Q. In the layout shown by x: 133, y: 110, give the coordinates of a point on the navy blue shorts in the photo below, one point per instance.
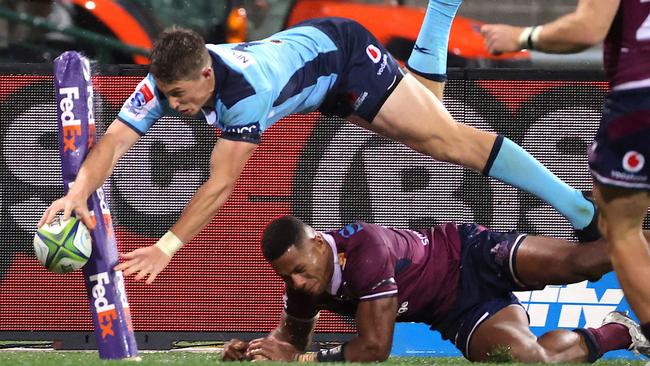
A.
x: 487, y: 280
x: 619, y: 155
x: 369, y: 74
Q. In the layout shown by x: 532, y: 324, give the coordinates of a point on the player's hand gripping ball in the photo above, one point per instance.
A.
x: 63, y: 246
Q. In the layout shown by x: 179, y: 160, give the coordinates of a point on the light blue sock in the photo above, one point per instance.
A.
x: 429, y: 56
x: 511, y: 164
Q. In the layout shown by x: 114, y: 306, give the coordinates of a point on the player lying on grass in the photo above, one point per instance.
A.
x: 458, y: 278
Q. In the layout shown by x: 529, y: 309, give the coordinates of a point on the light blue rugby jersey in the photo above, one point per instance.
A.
x: 257, y: 83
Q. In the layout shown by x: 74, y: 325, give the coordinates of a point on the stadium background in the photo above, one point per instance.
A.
x: 323, y: 170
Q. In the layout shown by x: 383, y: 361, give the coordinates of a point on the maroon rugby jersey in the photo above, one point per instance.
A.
x: 627, y: 45
x: 420, y: 267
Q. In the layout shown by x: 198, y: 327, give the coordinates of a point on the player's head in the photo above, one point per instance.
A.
x: 299, y: 254
x: 182, y: 67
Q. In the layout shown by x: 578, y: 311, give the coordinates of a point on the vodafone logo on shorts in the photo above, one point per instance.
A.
x: 633, y: 161
x: 374, y: 53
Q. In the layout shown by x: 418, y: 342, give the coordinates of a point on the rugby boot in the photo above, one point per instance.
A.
x: 640, y: 344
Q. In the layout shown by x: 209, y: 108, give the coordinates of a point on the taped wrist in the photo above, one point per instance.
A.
x: 529, y: 37
x: 524, y: 36
x: 305, y: 357
x: 336, y: 354
x: 169, y: 243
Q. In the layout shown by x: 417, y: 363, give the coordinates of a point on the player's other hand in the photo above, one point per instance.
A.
x: 500, y: 38
x: 148, y: 261
x: 71, y: 203
x: 235, y: 350
x: 272, y: 349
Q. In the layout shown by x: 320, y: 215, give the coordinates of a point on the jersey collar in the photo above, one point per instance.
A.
x: 220, y: 71
x: 337, y: 275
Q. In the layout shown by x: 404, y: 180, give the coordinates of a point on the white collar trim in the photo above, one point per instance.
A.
x: 337, y: 275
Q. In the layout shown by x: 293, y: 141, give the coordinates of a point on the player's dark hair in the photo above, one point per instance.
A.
x: 280, y: 234
x: 179, y: 54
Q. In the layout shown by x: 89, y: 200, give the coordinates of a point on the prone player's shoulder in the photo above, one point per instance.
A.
x: 362, y: 234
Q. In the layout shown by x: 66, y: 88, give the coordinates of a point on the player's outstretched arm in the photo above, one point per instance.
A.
x: 96, y: 168
x: 226, y: 163
x: 586, y: 26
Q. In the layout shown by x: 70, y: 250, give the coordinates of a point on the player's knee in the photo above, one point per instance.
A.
x: 444, y: 148
x: 528, y: 351
x: 446, y: 154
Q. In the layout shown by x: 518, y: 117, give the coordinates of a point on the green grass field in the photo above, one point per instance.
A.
x: 187, y: 358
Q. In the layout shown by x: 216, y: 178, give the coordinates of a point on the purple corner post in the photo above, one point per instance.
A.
x: 106, y: 293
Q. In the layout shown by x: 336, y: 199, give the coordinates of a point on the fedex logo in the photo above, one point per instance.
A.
x: 71, y: 125
x: 91, y: 116
x: 106, y: 312
x: 566, y: 306
x: 105, y: 210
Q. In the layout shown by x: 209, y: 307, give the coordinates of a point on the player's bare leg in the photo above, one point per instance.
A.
x: 436, y: 87
x: 414, y: 116
x: 621, y: 218
x: 545, y: 261
x: 508, y: 331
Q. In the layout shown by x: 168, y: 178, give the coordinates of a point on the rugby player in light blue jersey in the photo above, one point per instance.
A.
x: 332, y: 65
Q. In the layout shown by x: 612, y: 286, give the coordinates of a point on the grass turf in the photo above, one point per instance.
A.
x: 186, y: 358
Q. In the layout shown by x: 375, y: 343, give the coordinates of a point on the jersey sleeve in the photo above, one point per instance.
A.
x: 143, y: 108
x: 369, y: 270
x: 246, y: 120
x: 299, y: 305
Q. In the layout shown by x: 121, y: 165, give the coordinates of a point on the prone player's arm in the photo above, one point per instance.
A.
x: 574, y: 32
x: 96, y: 168
x: 375, y: 324
x: 296, y: 331
x: 287, y: 342
x: 226, y: 163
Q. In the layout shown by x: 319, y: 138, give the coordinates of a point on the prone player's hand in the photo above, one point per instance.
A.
x: 272, y: 348
x: 145, y: 261
x: 501, y: 38
x: 69, y: 204
x: 235, y: 350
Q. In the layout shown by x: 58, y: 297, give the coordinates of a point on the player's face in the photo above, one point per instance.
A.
x: 188, y: 96
x: 307, y: 268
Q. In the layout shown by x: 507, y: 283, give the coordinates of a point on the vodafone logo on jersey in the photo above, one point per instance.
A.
x: 633, y: 161
x: 374, y: 53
